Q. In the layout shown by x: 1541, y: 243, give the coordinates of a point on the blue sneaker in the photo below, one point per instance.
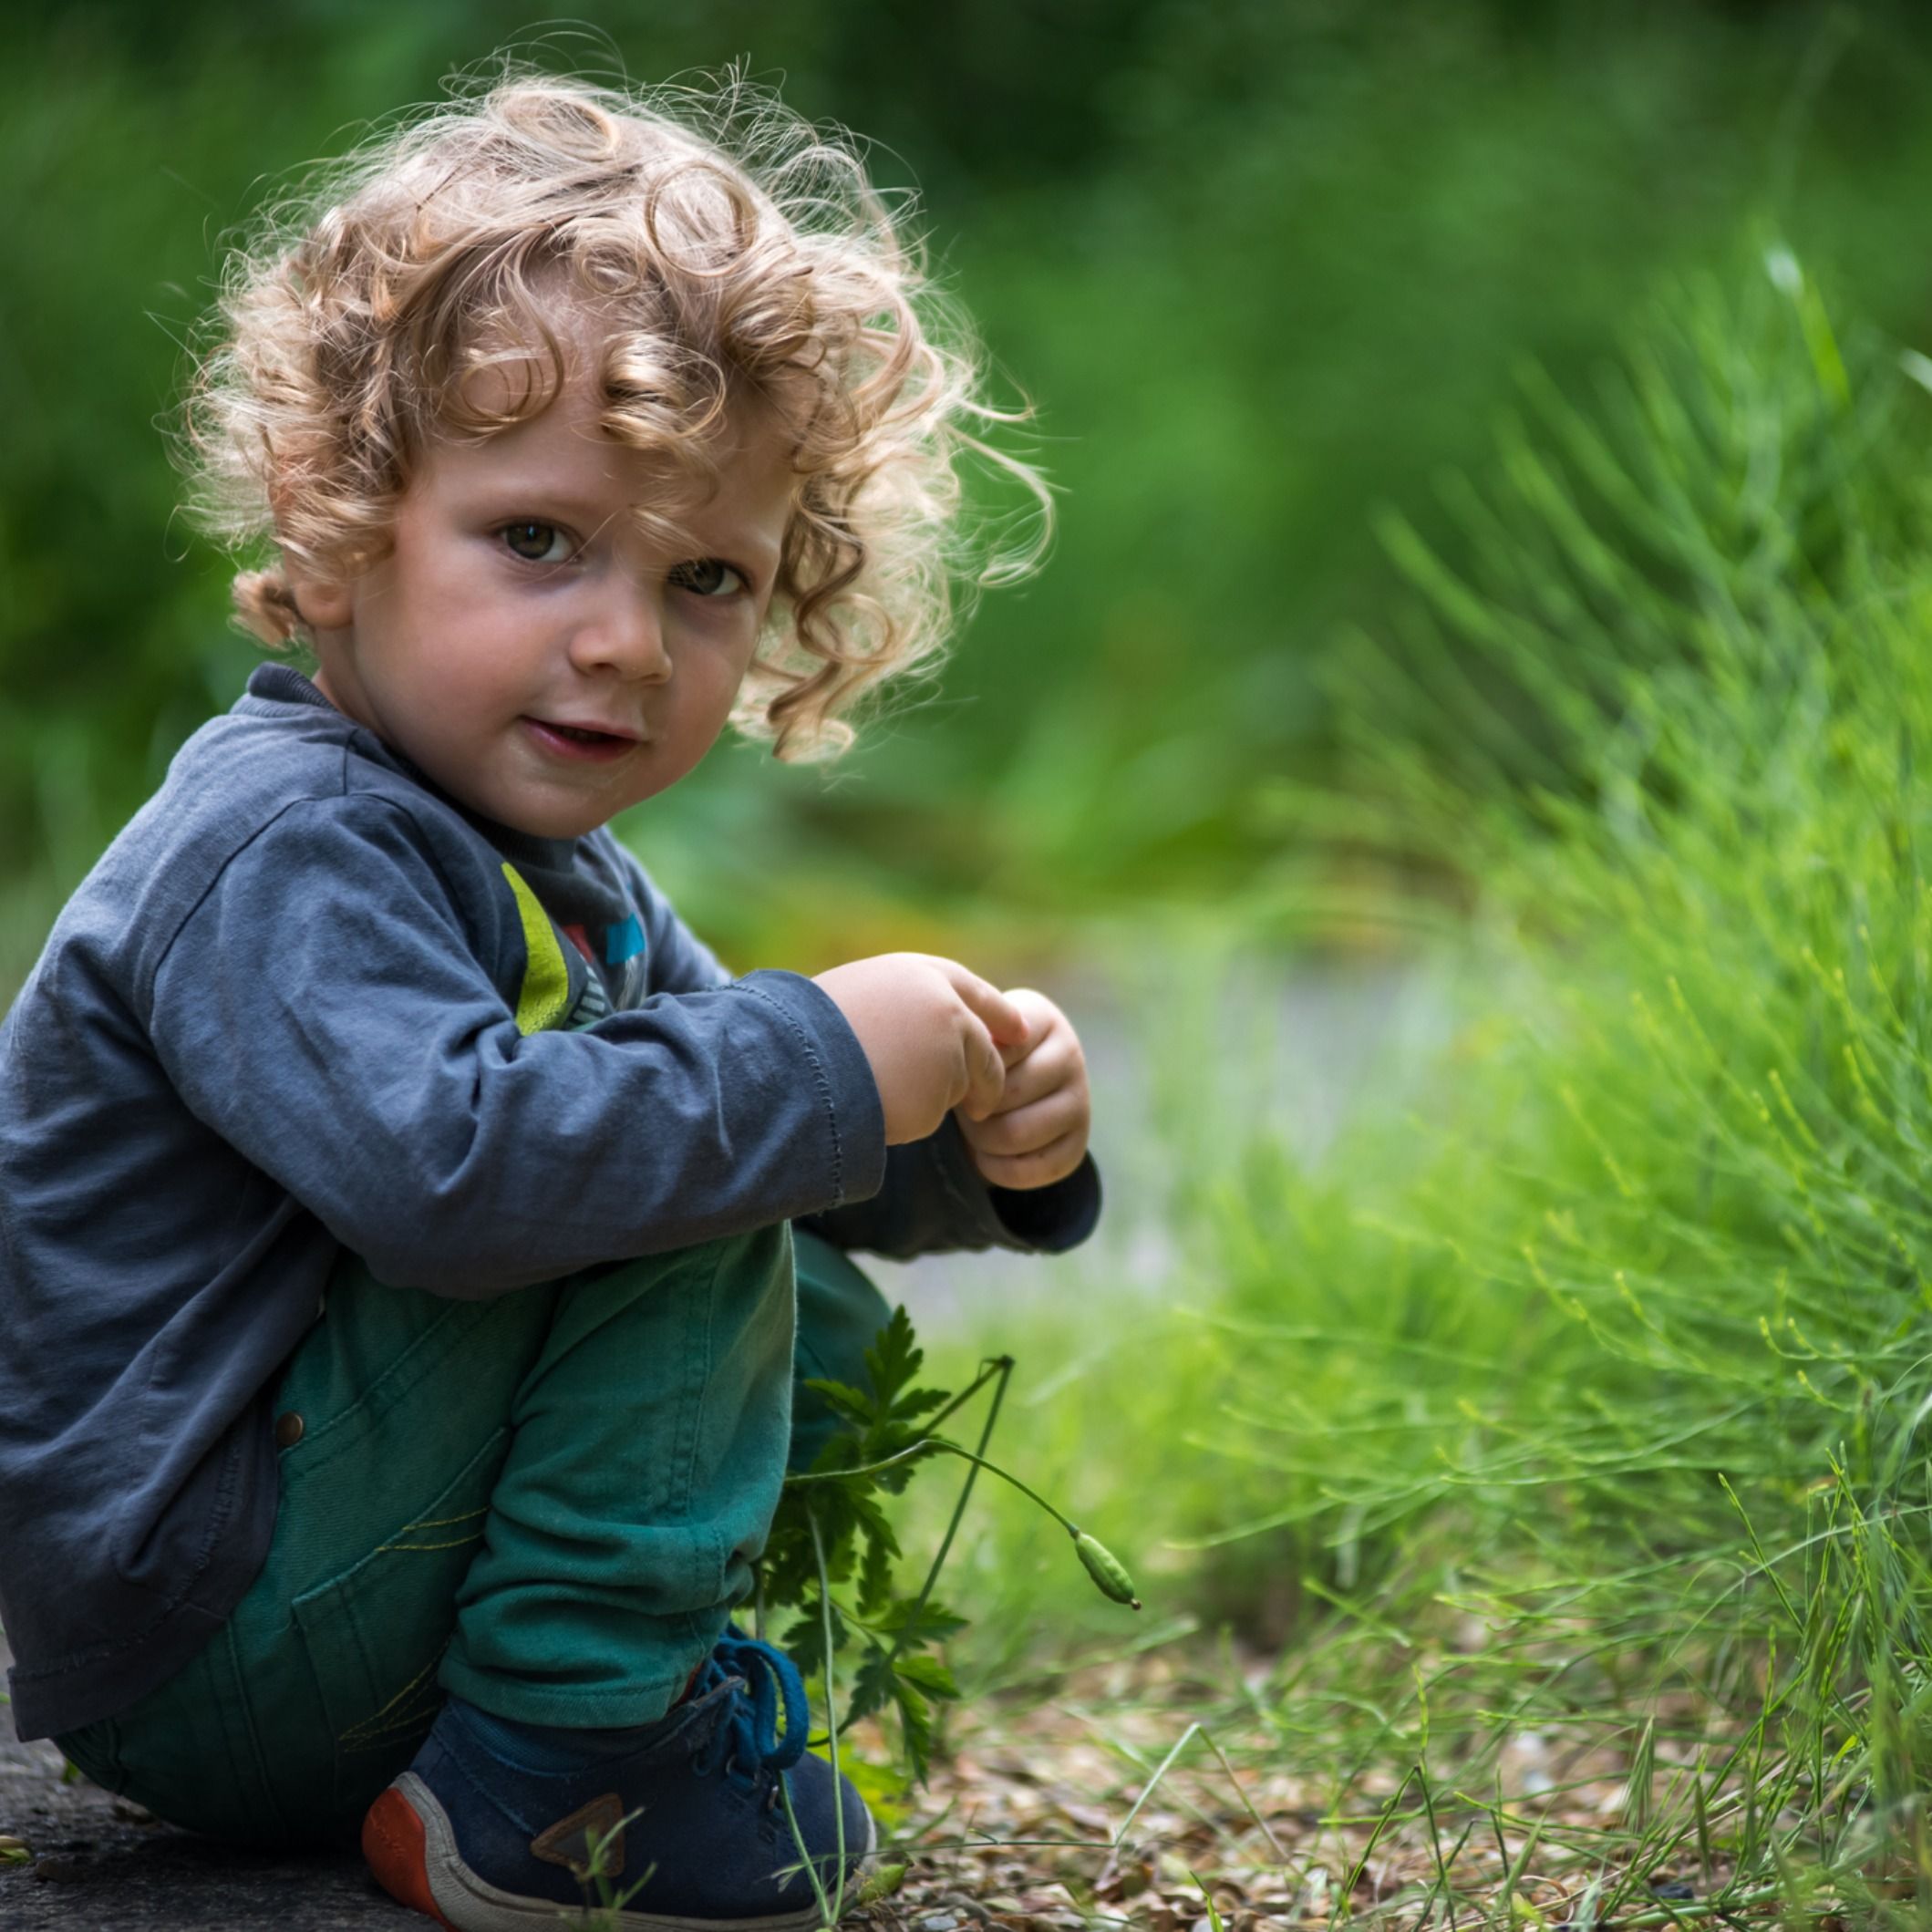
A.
x: 685, y: 1833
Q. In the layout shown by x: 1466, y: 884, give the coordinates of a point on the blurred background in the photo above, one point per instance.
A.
x: 1458, y: 766
x: 1258, y: 265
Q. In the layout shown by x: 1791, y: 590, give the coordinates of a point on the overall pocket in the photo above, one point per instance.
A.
x: 375, y: 1634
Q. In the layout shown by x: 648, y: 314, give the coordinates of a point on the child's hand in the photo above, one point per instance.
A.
x: 1035, y: 1132
x: 934, y: 1034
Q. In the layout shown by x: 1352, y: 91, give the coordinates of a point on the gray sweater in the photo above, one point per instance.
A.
x: 306, y: 1002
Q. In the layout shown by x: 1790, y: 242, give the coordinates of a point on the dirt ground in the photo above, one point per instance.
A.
x: 93, y: 1863
x: 96, y: 1865
x: 1021, y: 1827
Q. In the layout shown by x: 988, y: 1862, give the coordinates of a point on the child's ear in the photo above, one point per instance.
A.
x: 324, y: 605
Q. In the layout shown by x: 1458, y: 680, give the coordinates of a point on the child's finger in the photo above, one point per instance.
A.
x: 985, y: 1071
x: 1038, y: 1169
x: 1030, y: 1077
x: 1053, y: 1061
x: 1003, y: 1019
x: 1027, y: 1128
x: 1042, y: 1018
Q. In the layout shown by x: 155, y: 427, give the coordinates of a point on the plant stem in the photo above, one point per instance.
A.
x: 832, y: 1710
x: 940, y: 1444
x: 811, y: 1870
x: 999, y: 1365
x: 1002, y: 1367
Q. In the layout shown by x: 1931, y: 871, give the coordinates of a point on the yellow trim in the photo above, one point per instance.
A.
x: 546, y: 979
x: 440, y: 1522
x: 372, y: 1724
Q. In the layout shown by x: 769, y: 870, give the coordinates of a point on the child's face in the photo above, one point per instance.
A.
x: 535, y: 655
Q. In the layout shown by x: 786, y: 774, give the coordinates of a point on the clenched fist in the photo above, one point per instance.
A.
x: 1035, y: 1132
x: 936, y: 1037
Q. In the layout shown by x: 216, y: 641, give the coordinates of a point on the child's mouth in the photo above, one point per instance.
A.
x: 578, y: 742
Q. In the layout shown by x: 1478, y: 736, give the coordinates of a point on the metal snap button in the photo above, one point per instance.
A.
x: 288, y: 1430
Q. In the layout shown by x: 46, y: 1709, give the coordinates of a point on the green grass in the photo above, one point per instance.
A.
x: 1578, y: 1417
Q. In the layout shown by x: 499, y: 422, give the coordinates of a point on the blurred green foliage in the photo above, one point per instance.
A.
x: 1583, y: 1402
x: 1260, y: 266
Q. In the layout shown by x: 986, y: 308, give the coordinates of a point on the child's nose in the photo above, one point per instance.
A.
x: 625, y: 633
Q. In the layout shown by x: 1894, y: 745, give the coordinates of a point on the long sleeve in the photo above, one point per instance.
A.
x: 933, y: 1200
x: 368, y: 1062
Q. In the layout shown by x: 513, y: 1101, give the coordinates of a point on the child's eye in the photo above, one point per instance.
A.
x: 707, y: 577
x: 537, y: 542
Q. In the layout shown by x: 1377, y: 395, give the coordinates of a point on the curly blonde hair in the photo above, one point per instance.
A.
x: 720, y: 246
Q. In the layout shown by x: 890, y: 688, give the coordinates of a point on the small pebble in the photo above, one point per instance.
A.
x: 1675, y: 1888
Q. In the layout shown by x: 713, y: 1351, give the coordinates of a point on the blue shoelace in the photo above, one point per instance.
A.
x: 749, y: 1738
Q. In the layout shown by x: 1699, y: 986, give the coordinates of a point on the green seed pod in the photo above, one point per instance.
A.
x: 882, y: 1883
x: 1106, y: 1569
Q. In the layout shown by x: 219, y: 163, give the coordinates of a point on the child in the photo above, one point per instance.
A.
x: 397, y: 1201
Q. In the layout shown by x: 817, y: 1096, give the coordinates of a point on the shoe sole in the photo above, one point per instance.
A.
x: 410, y: 1845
